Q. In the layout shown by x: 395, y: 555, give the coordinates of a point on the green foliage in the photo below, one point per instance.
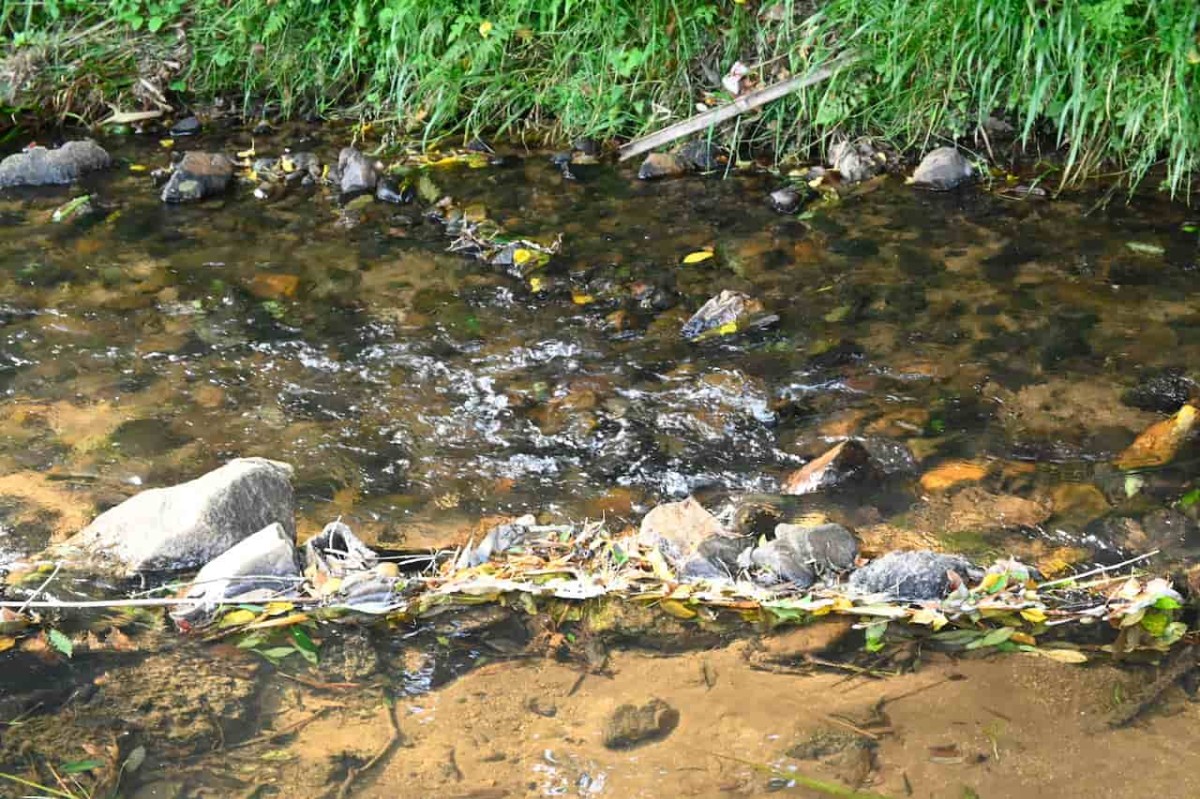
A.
x: 1114, y: 82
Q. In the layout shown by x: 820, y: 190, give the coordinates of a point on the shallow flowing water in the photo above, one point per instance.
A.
x: 417, y: 390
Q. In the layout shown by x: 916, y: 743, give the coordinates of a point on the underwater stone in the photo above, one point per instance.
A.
x: 198, y: 175
x: 943, y: 169
x: 632, y: 725
x: 37, y: 166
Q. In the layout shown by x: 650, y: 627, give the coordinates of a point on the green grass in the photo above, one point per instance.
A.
x: 1116, y: 83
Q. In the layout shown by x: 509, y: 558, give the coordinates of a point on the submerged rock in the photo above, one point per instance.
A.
x: 356, y: 172
x: 728, y: 312
x: 918, y: 575
x: 943, y: 169
x: 197, y: 176
x: 632, y: 725
x: 189, y: 524
x: 38, y: 166
x: 855, y: 161
x: 789, y: 199
x: 662, y: 165
x: 1163, y: 392
x: 266, y: 561
x: 1160, y: 443
x: 845, y: 461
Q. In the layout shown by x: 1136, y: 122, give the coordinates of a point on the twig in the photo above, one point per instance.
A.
x: 39, y: 590
x: 1179, y: 664
x: 288, y: 730
x: 1099, y: 570
x: 384, y: 751
x: 138, y: 603
x: 747, y: 102
x: 874, y: 736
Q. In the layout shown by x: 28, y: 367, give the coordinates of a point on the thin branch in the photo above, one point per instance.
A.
x: 747, y: 102
x: 1099, y: 570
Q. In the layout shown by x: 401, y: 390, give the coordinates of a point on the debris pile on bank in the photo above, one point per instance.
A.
x: 681, y: 561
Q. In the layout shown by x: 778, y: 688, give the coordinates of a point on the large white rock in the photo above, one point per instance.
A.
x: 261, y: 565
x: 187, y: 525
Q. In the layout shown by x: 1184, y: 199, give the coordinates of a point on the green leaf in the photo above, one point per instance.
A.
x: 1167, y: 603
x: 80, y: 766
x: 1190, y: 498
x: 303, y: 641
x: 61, y: 642
x: 994, y: 638
x: 957, y: 637
x: 875, y: 634
x: 1155, y: 622
x: 154, y: 24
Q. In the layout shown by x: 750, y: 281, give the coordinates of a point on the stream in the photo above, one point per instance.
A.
x: 996, y: 352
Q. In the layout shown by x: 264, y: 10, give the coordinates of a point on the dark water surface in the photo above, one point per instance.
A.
x: 416, y: 390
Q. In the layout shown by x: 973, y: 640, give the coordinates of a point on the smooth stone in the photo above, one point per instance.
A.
x: 38, y: 166
x: 267, y: 560
x: 632, y: 725
x: 662, y: 165
x: 188, y: 126
x: 187, y: 525
x: 679, y: 528
x: 197, y: 176
x: 854, y: 161
x: 943, y: 169
x: 357, y: 173
x: 916, y: 575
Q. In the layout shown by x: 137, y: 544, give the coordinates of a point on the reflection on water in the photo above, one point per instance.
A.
x: 415, y: 390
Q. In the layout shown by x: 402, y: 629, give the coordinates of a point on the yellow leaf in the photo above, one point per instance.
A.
x: 1064, y: 655
x: 248, y: 153
x: 168, y: 143
x: 697, y: 256
x: 579, y: 298
x: 282, y: 621
x: 992, y: 582
x: 138, y: 167
x: 536, y: 284
x: 842, y: 603
x: 287, y: 164
x: 1033, y: 615
x: 275, y: 608
x: 485, y: 29
x: 677, y: 609
x: 236, y: 617
x: 727, y: 329
x: 7, y: 642
x: 521, y: 256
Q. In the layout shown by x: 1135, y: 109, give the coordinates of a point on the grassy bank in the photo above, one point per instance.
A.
x: 1115, y: 82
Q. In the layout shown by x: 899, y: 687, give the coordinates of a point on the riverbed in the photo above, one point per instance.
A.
x: 996, y: 350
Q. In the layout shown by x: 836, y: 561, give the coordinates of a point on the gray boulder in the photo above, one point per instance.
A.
x: 801, y: 554
x: 187, y: 525
x: 915, y: 575
x: 198, y: 175
x: 855, y: 161
x: 260, y: 566
x: 37, y: 166
x: 356, y: 172
x: 943, y: 169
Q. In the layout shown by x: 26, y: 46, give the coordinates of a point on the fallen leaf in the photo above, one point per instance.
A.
x: 1160, y: 442
x: 698, y: 256
x: 485, y: 29
x: 1073, y: 656
x: 7, y: 642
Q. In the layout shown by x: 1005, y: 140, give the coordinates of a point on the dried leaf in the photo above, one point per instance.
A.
x: 1033, y: 615
x: 7, y: 642
x: 1063, y: 655
x: 236, y: 617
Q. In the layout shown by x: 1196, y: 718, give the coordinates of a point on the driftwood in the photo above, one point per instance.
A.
x: 747, y: 102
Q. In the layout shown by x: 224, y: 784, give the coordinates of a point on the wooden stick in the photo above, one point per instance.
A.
x: 747, y: 102
x: 1099, y: 570
x: 392, y: 742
